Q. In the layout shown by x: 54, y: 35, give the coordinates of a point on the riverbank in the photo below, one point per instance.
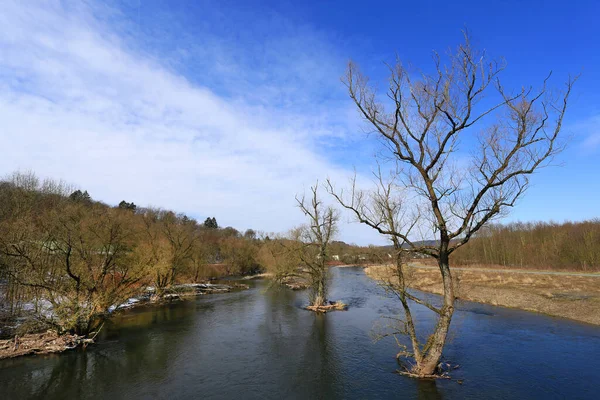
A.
x: 293, y: 282
x: 29, y: 333
x: 40, y: 343
x: 568, y: 295
x: 265, y: 342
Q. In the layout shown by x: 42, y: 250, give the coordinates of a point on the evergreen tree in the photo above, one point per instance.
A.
x: 211, y: 223
x: 127, y: 206
x: 80, y: 196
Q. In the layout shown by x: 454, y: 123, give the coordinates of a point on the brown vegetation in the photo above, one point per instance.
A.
x: 41, y: 343
x: 539, y: 245
x: 568, y: 296
x: 67, y: 261
x: 332, y: 306
x: 73, y: 259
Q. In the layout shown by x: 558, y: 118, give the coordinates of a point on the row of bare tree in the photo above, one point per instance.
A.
x: 61, y: 250
x: 82, y: 256
x: 545, y: 245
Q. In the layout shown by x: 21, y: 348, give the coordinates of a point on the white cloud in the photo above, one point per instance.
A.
x: 591, y: 131
x: 78, y: 102
x: 592, y: 142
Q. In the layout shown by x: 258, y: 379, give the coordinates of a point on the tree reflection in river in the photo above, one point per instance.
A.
x: 258, y: 344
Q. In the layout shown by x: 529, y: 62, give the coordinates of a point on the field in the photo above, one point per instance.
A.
x: 562, y: 294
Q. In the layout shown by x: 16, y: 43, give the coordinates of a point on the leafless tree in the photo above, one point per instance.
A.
x: 81, y: 259
x: 315, y: 238
x: 179, y: 233
x: 462, y: 150
x: 158, y: 248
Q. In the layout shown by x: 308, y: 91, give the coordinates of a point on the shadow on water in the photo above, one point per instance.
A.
x: 262, y: 344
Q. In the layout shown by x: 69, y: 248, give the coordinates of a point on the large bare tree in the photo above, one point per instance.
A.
x: 462, y: 149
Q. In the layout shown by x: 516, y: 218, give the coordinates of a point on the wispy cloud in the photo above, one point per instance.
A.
x: 82, y: 98
x: 590, y: 130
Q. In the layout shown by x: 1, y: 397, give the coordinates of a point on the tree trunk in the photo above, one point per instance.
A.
x: 320, y: 292
x: 410, y: 325
x: 435, y: 345
x: 196, y: 274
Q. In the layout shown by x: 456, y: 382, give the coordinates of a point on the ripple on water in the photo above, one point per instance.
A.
x: 261, y: 344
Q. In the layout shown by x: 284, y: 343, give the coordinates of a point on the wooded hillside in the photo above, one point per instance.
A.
x: 544, y: 245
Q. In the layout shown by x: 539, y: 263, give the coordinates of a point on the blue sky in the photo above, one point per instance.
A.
x: 229, y: 109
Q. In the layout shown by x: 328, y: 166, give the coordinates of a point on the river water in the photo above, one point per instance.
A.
x: 260, y: 344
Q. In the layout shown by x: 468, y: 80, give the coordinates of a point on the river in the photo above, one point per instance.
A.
x: 260, y: 344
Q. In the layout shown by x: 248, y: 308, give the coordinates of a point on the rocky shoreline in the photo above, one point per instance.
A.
x: 196, y: 289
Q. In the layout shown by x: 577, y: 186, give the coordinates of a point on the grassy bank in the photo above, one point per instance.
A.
x: 570, y: 296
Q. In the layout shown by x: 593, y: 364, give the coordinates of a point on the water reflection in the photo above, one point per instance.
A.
x: 257, y: 344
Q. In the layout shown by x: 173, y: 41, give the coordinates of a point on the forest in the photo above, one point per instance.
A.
x: 539, y: 245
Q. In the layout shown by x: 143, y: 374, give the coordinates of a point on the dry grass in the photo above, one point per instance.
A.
x: 456, y: 264
x: 568, y: 296
x: 332, y: 306
x: 40, y: 343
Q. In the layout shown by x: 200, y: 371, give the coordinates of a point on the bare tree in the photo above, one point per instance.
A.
x: 315, y: 238
x: 240, y: 255
x: 279, y: 256
x: 81, y: 259
x: 437, y: 187
x: 198, y: 261
x: 178, y: 230
x: 158, y: 248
